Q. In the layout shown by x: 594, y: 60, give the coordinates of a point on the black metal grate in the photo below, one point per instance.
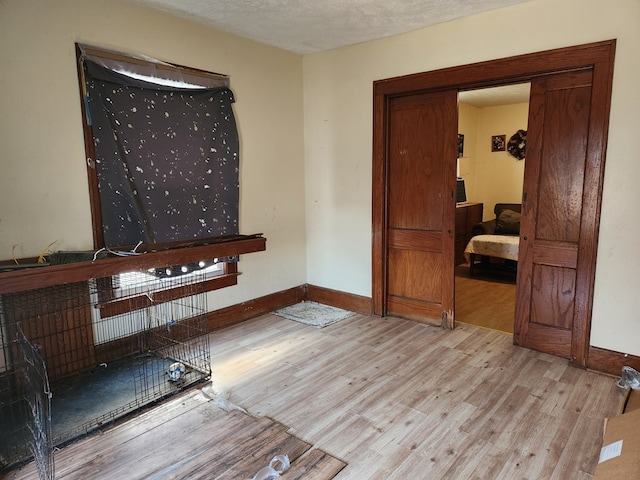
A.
x: 110, y: 346
x: 35, y: 394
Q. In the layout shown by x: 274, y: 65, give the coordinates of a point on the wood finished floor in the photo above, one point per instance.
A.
x: 391, y: 398
x: 396, y: 399
x: 485, y: 300
x: 187, y: 436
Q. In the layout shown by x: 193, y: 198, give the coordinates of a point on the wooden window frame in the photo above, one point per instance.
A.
x: 230, y: 272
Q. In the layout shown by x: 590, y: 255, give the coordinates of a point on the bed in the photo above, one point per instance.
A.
x: 500, y: 246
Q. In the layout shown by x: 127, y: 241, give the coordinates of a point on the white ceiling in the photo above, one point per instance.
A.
x: 491, y: 97
x: 308, y: 26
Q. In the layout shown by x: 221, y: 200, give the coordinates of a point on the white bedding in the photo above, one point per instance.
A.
x: 501, y: 246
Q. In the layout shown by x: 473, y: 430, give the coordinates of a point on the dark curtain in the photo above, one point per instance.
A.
x: 167, y: 159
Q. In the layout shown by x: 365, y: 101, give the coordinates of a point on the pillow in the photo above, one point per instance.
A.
x: 508, y: 223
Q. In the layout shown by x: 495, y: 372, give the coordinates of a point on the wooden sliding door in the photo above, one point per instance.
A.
x: 557, y: 221
x: 421, y: 179
x: 414, y: 142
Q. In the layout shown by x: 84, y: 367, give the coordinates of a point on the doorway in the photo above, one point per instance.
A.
x: 556, y: 268
x: 487, y: 119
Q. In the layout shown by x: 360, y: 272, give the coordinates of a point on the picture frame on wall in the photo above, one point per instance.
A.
x: 498, y: 143
x: 460, y: 145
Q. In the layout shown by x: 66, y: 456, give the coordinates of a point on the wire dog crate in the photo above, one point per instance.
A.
x: 108, y: 345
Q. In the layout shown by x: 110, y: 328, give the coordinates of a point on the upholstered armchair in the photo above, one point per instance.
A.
x: 507, y: 221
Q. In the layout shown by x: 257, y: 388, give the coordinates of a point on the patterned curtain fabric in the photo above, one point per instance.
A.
x: 167, y: 159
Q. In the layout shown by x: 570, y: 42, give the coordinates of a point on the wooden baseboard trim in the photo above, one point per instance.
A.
x: 254, y: 308
x: 611, y: 362
x: 336, y: 298
x: 260, y: 306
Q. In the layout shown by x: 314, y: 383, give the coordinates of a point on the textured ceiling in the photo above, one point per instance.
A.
x: 308, y: 26
x: 491, y: 97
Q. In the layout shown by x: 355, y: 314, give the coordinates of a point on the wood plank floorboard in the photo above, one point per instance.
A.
x: 387, y: 397
x: 316, y: 465
x: 486, y: 300
x: 185, y: 438
x: 398, y: 399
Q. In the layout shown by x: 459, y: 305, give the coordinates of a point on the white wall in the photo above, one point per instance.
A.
x: 490, y: 177
x: 466, y: 164
x: 499, y: 176
x: 338, y: 139
x: 43, y: 185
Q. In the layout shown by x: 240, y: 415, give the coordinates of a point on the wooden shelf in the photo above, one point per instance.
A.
x: 40, y: 277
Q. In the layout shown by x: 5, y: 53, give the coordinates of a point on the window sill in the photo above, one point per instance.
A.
x: 40, y: 277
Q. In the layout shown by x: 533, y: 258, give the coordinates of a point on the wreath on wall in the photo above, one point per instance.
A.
x: 517, y: 144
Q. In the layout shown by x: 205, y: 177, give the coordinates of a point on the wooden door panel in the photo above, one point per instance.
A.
x: 421, y: 240
x: 552, y: 296
x: 421, y: 206
x: 409, y: 278
x: 558, y: 254
x: 563, y: 157
x: 550, y: 228
x: 556, y: 341
x: 416, y: 163
x: 425, y: 312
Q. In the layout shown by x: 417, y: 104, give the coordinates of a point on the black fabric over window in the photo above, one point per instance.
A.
x: 167, y: 159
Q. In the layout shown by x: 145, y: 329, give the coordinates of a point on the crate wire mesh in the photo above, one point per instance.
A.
x: 110, y: 346
x: 35, y: 404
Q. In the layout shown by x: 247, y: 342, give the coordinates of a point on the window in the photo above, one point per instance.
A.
x: 130, y: 283
x: 163, y: 165
x: 162, y: 145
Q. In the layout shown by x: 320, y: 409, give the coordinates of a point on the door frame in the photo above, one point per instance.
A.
x: 599, y: 57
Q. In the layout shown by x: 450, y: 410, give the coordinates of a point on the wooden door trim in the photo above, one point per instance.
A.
x: 599, y: 57
x: 520, y: 68
x: 379, y: 203
x: 602, y: 83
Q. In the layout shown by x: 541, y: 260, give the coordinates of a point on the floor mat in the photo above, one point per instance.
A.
x: 314, y: 314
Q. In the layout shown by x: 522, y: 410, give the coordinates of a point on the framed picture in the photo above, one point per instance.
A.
x: 498, y: 143
x: 460, y: 145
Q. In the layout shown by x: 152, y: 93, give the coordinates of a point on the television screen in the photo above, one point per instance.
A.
x: 461, y: 193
